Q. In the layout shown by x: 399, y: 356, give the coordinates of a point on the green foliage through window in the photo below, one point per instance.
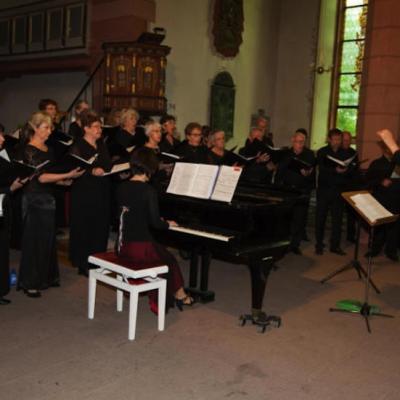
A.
x: 351, y: 55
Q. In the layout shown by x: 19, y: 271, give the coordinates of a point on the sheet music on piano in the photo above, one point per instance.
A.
x: 204, y: 181
x: 226, y: 183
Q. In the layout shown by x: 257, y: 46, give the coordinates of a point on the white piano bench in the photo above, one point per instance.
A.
x: 118, y: 273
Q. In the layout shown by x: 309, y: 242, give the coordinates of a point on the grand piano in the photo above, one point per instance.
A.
x: 253, y: 229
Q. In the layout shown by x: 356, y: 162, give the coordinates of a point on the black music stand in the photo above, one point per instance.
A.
x: 354, y: 263
x: 364, y: 308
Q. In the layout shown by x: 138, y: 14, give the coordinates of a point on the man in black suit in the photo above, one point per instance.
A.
x: 297, y: 171
x: 332, y: 180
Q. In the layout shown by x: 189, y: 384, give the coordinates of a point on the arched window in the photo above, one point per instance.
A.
x: 223, y: 103
x: 348, y: 64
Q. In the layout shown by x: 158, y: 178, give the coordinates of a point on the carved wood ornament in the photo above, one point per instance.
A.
x: 228, y: 26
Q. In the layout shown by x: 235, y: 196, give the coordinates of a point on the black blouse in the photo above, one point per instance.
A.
x: 168, y: 147
x: 88, y: 184
x: 139, y: 203
x: 33, y: 156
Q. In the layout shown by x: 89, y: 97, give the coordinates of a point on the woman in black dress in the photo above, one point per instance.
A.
x: 168, y: 141
x: 139, y: 214
x: 38, y: 267
x: 6, y: 189
x: 127, y: 137
x: 75, y: 129
x: 90, y: 196
x: 216, y: 141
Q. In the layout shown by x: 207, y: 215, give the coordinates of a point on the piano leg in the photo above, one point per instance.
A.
x: 259, y: 272
x: 194, y: 266
x: 201, y: 294
x: 205, y: 267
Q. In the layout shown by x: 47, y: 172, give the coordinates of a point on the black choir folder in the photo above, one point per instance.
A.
x: 13, y: 169
x: 342, y: 163
x: 297, y: 164
x: 204, y: 181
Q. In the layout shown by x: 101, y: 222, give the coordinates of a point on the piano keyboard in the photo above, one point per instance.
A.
x: 206, y: 234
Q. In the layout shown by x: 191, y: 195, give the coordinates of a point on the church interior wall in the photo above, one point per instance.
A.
x: 271, y: 71
x: 193, y: 63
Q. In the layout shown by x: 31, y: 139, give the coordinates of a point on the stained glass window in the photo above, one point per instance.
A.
x: 352, y: 24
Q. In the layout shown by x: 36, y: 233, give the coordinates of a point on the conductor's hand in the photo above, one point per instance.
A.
x: 75, y: 173
x: 385, y: 134
x: 172, y: 223
x: 17, y: 184
x: 98, y: 172
x: 386, y: 182
x: 341, y: 170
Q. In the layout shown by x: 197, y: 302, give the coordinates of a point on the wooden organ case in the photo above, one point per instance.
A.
x: 134, y: 76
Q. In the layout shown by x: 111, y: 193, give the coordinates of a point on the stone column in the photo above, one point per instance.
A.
x: 380, y: 87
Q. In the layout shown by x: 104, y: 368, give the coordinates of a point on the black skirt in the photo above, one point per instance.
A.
x: 4, y: 254
x: 39, y: 266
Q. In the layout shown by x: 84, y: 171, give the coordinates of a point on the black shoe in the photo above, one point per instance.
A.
x: 295, y: 250
x: 186, y: 301
x: 4, y: 302
x: 305, y: 238
x: 337, y: 250
x: 319, y: 251
x: 82, y: 272
x: 392, y: 256
x: 351, y: 240
x: 32, y: 293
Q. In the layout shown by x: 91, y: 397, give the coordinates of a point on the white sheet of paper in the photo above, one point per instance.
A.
x: 370, y: 207
x: 4, y: 155
x: 182, y: 178
x: 118, y: 168
x: 226, y: 183
x: 203, y: 183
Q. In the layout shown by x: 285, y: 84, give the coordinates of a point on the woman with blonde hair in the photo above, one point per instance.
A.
x: 38, y: 266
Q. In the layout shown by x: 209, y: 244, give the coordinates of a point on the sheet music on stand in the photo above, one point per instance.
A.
x: 373, y: 212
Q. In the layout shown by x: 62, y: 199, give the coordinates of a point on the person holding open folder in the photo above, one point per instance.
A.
x: 38, y: 266
x: 192, y: 150
x: 383, y: 177
x: 332, y: 180
x: 6, y: 190
x: 297, y: 170
x: 90, y: 196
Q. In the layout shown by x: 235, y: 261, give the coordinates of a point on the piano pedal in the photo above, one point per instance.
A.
x: 262, y: 322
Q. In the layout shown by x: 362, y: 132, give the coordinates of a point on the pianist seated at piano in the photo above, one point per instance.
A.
x: 297, y: 171
x: 138, y: 203
x: 262, y: 169
x: 192, y: 150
